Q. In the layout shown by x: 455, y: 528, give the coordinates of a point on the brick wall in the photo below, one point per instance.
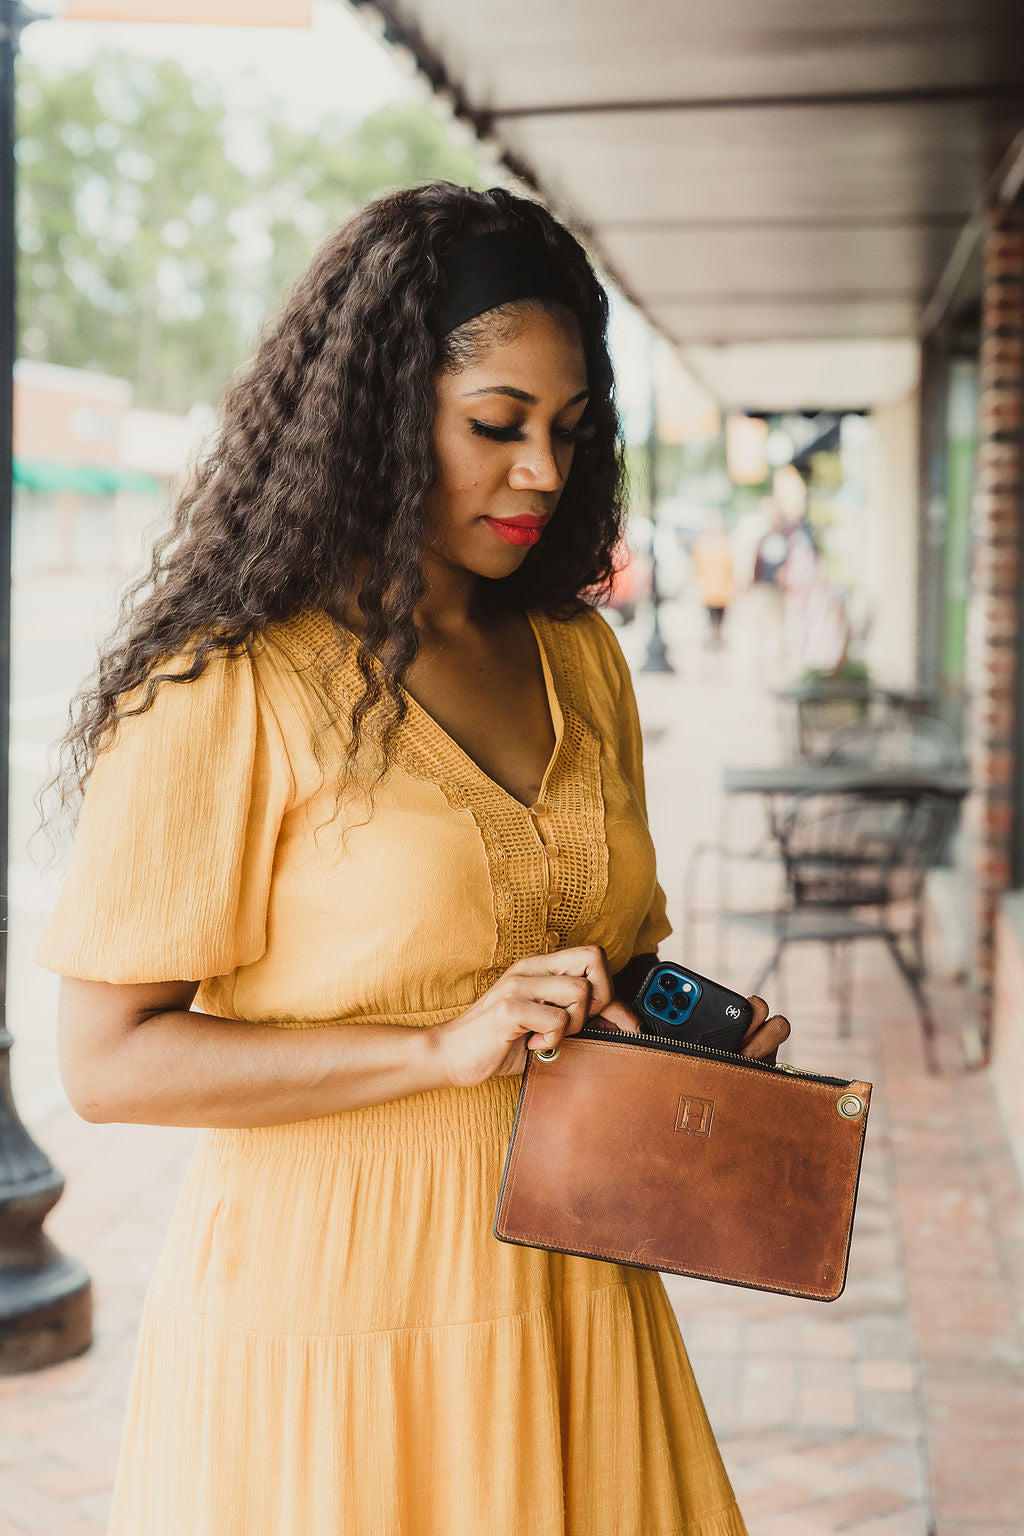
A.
x: 994, y: 613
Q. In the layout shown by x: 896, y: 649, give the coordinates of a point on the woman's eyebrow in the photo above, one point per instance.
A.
x: 519, y: 394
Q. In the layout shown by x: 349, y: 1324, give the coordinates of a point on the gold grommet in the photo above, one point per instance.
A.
x: 850, y: 1106
x: 551, y: 1055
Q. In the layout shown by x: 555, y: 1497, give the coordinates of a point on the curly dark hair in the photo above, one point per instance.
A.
x: 322, y: 464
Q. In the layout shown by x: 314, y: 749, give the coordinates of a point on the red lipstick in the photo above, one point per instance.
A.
x: 518, y: 530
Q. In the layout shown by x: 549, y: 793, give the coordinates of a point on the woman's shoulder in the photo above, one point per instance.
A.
x: 309, y: 642
x: 585, y: 622
x: 586, y: 633
x: 278, y: 653
x: 206, y: 686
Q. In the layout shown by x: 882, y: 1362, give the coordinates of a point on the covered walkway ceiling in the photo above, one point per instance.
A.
x: 751, y: 171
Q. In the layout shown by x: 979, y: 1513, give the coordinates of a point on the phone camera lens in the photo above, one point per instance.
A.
x: 667, y: 983
x: 658, y: 1001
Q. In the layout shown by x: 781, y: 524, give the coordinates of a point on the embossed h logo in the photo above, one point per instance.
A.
x: 694, y: 1116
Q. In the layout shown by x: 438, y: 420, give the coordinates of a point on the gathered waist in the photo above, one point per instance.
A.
x: 442, y: 1115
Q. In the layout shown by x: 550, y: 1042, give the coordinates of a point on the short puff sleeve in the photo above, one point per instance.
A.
x: 170, y: 869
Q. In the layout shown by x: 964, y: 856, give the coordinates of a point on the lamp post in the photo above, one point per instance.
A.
x: 656, y: 659
x: 45, y: 1298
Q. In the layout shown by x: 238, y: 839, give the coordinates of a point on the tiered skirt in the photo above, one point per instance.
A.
x: 335, y: 1344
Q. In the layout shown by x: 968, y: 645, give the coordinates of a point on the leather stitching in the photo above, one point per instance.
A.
x: 622, y: 1255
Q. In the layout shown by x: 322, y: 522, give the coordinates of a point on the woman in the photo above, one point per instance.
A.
x: 364, y: 782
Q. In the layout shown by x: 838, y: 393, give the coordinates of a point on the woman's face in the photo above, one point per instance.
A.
x: 504, y: 435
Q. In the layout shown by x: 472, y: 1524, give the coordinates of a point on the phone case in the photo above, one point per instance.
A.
x: 683, y: 1005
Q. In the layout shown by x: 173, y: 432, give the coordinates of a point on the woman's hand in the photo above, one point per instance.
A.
x: 765, y: 1035
x: 536, y: 1002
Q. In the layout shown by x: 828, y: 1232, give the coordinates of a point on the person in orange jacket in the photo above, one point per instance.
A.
x: 715, y: 574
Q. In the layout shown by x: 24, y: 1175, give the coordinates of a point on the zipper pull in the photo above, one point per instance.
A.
x: 783, y: 1066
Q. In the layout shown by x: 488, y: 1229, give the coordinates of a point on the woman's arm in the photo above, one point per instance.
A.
x: 136, y: 1054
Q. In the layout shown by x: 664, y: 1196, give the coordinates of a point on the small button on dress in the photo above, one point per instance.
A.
x: 333, y: 1342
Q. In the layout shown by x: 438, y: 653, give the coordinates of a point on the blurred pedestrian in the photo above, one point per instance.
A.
x: 817, y: 622
x: 772, y: 547
x: 715, y: 575
x: 364, y: 782
x: 767, y: 596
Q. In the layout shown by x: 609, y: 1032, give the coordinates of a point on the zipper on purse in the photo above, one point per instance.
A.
x: 691, y: 1047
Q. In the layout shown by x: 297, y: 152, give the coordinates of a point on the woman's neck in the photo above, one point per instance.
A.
x: 452, y: 603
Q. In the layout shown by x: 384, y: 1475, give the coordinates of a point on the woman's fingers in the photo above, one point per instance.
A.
x: 621, y: 1015
x: 763, y: 1043
x: 588, y: 960
x: 570, y: 992
x: 547, y: 1024
x: 761, y: 1011
x: 764, y: 1035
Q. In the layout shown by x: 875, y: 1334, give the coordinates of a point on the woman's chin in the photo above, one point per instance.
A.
x: 493, y: 564
x: 481, y: 553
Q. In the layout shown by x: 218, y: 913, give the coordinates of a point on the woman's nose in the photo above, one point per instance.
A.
x: 536, y: 468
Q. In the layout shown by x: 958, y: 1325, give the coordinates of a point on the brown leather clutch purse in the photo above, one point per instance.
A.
x: 646, y: 1151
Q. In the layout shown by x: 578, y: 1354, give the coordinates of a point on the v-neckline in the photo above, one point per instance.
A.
x: 555, y: 711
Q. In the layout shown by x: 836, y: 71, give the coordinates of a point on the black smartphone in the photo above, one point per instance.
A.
x: 675, y: 1001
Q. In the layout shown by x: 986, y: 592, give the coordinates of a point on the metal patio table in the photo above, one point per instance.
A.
x: 846, y: 779
x: 784, y: 780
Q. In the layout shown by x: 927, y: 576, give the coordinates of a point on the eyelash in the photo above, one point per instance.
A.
x: 570, y: 435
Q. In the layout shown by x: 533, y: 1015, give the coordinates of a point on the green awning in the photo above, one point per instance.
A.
x: 88, y: 479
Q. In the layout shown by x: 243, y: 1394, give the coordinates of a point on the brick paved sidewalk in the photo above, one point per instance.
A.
x: 896, y: 1411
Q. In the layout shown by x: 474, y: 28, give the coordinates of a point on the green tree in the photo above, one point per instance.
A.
x: 312, y: 184
x: 124, y: 198
x: 147, y: 251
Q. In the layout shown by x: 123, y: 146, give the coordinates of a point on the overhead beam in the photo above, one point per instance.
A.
x: 724, y: 338
x: 672, y: 223
x: 788, y: 298
x: 944, y: 95
x: 431, y: 65
x: 754, y: 339
x: 433, y: 69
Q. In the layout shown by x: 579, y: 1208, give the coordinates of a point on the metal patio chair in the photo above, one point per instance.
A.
x: 821, y: 707
x: 895, y: 740
x: 853, y: 866
x: 824, y: 706
x: 723, y: 854
x: 902, y: 740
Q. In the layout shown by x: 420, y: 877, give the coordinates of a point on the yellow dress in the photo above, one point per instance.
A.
x: 333, y: 1342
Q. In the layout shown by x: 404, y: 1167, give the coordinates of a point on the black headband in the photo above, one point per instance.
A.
x: 495, y: 269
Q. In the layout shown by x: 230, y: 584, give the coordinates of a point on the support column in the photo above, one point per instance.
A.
x: 45, y: 1298
x: 931, y: 526
x: 994, y: 608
